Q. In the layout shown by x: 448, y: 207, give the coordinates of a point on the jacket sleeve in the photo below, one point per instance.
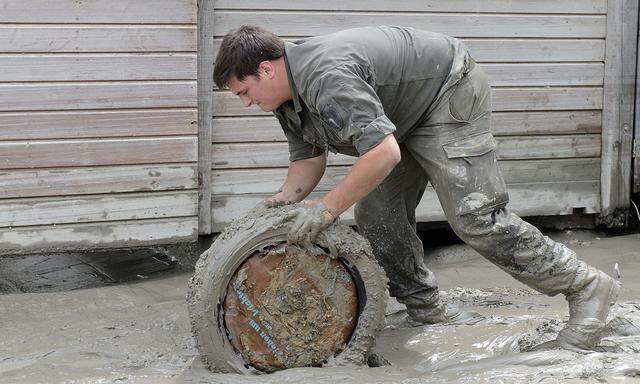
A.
x: 350, y: 108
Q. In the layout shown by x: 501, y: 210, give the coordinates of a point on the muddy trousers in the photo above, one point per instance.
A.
x: 455, y: 151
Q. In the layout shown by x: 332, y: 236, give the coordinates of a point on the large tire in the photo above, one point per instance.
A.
x: 258, y: 229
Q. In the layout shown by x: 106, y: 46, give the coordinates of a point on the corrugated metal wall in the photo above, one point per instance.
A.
x: 546, y: 64
x: 98, y: 123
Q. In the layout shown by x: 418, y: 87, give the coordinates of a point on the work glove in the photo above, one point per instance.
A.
x: 309, y: 219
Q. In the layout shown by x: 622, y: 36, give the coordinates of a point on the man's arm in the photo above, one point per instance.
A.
x: 302, y: 177
x: 367, y: 173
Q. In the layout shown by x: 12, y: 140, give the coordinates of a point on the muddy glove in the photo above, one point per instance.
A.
x: 308, y: 221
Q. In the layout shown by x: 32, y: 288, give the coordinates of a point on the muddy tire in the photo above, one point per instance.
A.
x: 258, y: 230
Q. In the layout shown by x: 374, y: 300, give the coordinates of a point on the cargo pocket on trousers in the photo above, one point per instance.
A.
x: 472, y: 175
x: 462, y: 101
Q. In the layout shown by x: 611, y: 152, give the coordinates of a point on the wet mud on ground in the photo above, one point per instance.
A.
x: 139, y: 332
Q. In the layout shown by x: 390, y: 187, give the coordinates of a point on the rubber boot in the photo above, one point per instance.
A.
x: 588, y: 310
x: 440, y: 313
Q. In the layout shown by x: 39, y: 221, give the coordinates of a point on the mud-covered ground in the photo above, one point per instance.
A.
x: 139, y: 332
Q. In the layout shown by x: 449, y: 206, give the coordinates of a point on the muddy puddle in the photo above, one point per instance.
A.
x: 139, y: 332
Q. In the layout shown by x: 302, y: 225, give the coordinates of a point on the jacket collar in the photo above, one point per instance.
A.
x: 294, y: 90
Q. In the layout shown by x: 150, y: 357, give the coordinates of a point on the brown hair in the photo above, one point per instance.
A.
x: 242, y: 51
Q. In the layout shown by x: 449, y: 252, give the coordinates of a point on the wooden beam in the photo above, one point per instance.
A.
x: 466, y: 6
x: 536, y: 199
x: 618, y: 109
x: 636, y: 136
x: 289, y: 23
x: 532, y: 50
x: 94, y: 208
x: 504, y: 99
x: 544, y: 74
x: 98, y: 124
x: 268, y: 180
x: 267, y: 128
x: 15, y: 97
x: 93, y: 180
x: 266, y: 155
x: 205, y: 113
x: 97, y: 67
x: 115, y: 11
x: 33, y: 38
x: 96, y: 152
x: 110, y: 234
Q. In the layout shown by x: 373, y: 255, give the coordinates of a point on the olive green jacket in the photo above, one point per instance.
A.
x: 354, y: 87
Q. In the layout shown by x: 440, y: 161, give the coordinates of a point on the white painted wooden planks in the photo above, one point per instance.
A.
x: 34, y: 38
x: 96, y: 95
x: 82, y: 236
x: 463, y: 6
x: 115, y: 11
x: 95, y: 180
x: 267, y: 128
x: 534, y: 50
x: 32, y: 125
x: 524, y: 50
x: 269, y: 180
x: 293, y: 23
x: 92, y: 208
x: 98, y: 145
x: 536, y: 199
x: 77, y: 153
x: 92, y: 67
x: 545, y: 62
x: 544, y: 74
x: 265, y: 155
x: 504, y: 99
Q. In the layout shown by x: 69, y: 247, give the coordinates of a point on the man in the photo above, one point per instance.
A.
x: 414, y: 107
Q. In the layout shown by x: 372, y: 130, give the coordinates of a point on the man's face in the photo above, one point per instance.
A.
x: 257, y: 90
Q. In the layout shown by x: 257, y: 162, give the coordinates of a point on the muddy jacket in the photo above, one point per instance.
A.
x: 352, y: 88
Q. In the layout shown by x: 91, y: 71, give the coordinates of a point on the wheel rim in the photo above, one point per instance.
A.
x: 287, y: 307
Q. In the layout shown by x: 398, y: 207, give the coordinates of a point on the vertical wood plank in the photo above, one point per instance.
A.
x: 205, y: 113
x: 619, y: 90
x: 636, y: 136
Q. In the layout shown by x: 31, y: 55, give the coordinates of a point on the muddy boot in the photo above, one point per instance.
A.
x: 588, y: 310
x: 441, y: 313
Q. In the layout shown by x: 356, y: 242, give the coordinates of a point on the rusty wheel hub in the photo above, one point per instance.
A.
x: 287, y: 307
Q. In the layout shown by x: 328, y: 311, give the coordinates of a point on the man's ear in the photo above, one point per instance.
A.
x: 266, y: 67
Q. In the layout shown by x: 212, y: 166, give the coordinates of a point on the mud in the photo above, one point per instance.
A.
x: 140, y: 333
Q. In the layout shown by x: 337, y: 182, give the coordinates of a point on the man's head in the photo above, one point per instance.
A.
x: 251, y: 64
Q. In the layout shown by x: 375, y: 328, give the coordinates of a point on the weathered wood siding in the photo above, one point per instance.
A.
x: 546, y: 64
x: 618, y: 111
x: 98, y: 123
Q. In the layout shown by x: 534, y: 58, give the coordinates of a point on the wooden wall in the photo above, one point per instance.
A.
x: 546, y: 63
x: 98, y: 123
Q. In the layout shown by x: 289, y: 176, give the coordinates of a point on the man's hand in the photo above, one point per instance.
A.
x: 277, y: 200
x: 311, y: 218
